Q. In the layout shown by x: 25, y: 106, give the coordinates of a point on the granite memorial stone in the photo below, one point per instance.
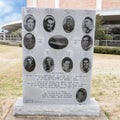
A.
x: 57, y: 62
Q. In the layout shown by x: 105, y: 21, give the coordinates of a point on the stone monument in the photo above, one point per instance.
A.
x: 57, y: 63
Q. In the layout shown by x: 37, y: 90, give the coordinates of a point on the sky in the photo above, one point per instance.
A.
x: 10, y: 11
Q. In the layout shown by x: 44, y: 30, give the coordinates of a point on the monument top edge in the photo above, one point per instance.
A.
x: 71, y: 9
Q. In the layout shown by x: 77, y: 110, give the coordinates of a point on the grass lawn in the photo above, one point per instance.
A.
x: 105, y: 80
x: 10, y: 76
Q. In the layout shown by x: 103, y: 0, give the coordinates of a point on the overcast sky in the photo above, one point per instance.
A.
x: 10, y: 10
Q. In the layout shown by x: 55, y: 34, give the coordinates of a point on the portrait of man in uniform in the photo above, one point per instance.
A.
x: 29, y: 41
x: 85, y: 65
x: 49, y: 23
x: 48, y: 64
x: 81, y: 95
x: 87, y: 25
x: 29, y: 63
x: 67, y: 64
x: 86, y: 42
x: 68, y: 24
x: 29, y: 23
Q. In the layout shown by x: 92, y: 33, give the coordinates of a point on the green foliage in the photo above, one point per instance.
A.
x: 107, y: 50
x: 107, y: 115
x: 17, y: 32
x: 101, y: 33
x: 20, y: 45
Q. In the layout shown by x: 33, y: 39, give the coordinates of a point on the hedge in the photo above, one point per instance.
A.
x: 107, y: 50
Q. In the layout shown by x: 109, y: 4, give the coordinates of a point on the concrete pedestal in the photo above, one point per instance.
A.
x: 23, y: 111
x: 10, y: 116
x: 90, y: 109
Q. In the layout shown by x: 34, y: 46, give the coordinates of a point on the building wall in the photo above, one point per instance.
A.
x: 110, y: 4
x: 29, y: 3
x: 41, y: 3
x: 81, y: 4
x: 46, y: 3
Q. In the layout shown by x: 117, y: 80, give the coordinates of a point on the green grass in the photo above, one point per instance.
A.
x: 107, y: 115
x: 105, y: 86
x: 10, y: 75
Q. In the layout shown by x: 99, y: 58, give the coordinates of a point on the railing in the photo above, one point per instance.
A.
x: 9, y: 37
x: 111, y: 43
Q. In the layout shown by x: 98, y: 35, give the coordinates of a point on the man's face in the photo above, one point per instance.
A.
x: 86, y: 64
x: 50, y: 24
x: 86, y: 41
x: 30, y: 23
x: 80, y: 95
x: 66, y: 65
x: 48, y: 60
x: 68, y: 22
x: 29, y: 39
x: 29, y: 61
x: 87, y: 22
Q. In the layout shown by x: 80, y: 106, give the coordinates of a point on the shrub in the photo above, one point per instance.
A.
x: 20, y: 44
x: 102, y: 32
x: 107, y: 50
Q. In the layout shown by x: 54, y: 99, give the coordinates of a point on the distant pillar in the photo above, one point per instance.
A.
x: 4, y: 36
x: 98, y: 4
x: 34, y: 3
x: 10, y: 36
x: 57, y: 3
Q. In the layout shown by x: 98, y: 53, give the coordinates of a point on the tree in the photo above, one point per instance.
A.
x: 101, y: 33
x: 17, y: 33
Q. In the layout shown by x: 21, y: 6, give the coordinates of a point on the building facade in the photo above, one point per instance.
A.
x: 109, y: 9
x: 81, y: 4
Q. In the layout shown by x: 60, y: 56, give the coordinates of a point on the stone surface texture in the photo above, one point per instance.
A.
x: 90, y: 109
x: 10, y: 116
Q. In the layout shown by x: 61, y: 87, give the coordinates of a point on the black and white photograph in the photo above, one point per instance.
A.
x: 67, y: 64
x: 29, y: 41
x: 29, y: 64
x: 48, y: 64
x: 68, y: 24
x: 29, y: 23
x: 81, y: 95
x: 86, y: 42
x: 58, y: 42
x: 85, y: 65
x: 87, y: 25
x: 49, y: 23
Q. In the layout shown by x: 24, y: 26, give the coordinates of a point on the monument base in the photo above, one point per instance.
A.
x: 90, y: 109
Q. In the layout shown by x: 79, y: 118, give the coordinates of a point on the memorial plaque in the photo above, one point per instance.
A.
x: 57, y: 55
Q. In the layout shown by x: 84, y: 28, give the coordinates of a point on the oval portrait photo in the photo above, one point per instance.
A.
x: 58, y: 42
x: 48, y: 64
x: 29, y: 23
x: 29, y: 64
x: 87, y: 25
x: 68, y: 24
x: 81, y: 95
x: 85, y: 65
x: 67, y: 64
x: 86, y: 42
x: 29, y: 41
x: 49, y: 23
